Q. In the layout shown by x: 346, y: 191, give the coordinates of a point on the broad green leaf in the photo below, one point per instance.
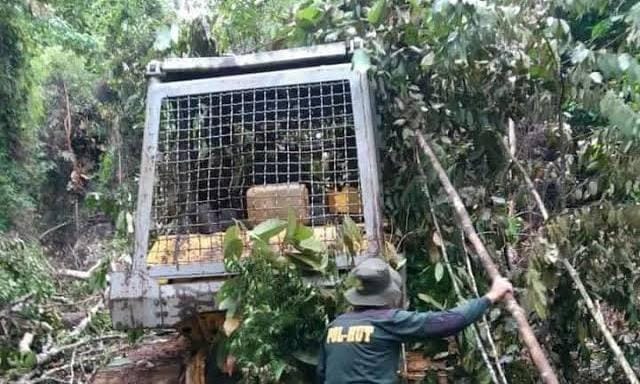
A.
x: 310, y: 13
x: 230, y: 305
x: 596, y: 77
x: 292, y: 225
x: 268, y: 229
x: 316, y: 261
x: 620, y: 114
x: 232, y: 245
x: 302, y: 233
x: 352, y: 233
x: 624, y: 61
x: 308, y: 17
x: 279, y: 369
x: 163, y: 39
x: 313, y: 245
x: 440, y: 6
x: 121, y: 222
x: 439, y: 272
x: 428, y: 60
x: 601, y: 29
x: 376, y: 12
x: 608, y: 64
x: 536, y: 293
x: 28, y: 360
x: 261, y: 248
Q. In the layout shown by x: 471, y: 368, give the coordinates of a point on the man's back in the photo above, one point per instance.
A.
x: 359, y: 351
x: 363, y: 346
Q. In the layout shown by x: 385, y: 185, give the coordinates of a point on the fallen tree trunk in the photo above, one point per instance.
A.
x: 526, y: 332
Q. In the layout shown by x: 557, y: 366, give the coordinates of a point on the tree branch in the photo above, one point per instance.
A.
x: 530, y: 186
x: 599, y: 319
x: 526, y: 332
x: 82, y: 275
x: 85, y: 322
x: 46, y: 357
x: 596, y: 314
x: 53, y: 229
x: 485, y: 321
x: 456, y: 288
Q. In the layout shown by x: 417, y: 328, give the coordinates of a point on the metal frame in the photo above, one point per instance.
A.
x: 295, y: 56
x: 363, y: 122
x: 137, y: 299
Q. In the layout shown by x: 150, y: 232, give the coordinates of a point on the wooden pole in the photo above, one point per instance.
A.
x: 526, y: 332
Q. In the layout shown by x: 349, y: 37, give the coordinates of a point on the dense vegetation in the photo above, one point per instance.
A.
x: 556, y: 81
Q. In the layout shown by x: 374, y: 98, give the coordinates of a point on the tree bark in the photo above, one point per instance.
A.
x: 526, y: 332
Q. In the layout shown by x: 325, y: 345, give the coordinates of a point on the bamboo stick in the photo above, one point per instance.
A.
x: 526, y: 332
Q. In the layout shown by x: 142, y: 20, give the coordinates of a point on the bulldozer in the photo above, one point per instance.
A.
x: 245, y: 139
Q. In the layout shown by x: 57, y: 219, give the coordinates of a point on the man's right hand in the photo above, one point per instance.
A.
x: 499, y: 289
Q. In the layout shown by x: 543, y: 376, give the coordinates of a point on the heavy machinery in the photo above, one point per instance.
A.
x: 243, y: 138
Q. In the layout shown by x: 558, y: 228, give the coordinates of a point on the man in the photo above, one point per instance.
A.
x: 363, y: 346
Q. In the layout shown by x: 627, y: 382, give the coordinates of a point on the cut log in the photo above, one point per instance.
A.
x: 158, y: 362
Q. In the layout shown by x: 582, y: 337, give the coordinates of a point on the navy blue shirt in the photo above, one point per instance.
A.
x: 363, y: 347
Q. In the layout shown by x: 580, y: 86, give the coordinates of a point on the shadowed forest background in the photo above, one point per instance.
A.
x: 515, y: 96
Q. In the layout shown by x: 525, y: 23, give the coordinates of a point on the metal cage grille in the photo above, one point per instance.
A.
x: 250, y: 155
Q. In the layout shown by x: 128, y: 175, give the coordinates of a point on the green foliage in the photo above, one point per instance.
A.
x: 16, y: 134
x: 458, y: 71
x: 282, y: 315
x: 25, y: 282
x: 23, y: 271
x: 565, y: 72
x: 251, y: 25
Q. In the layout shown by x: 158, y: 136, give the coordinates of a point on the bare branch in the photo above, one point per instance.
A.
x: 52, y: 229
x: 46, y: 357
x: 485, y: 321
x: 456, y: 288
x: 593, y: 310
x: 530, y: 186
x: 82, y: 275
x: 25, y: 343
x: 85, y: 322
x: 599, y: 319
x: 526, y: 332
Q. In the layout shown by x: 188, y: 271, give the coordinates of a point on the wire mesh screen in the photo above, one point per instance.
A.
x: 251, y: 155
